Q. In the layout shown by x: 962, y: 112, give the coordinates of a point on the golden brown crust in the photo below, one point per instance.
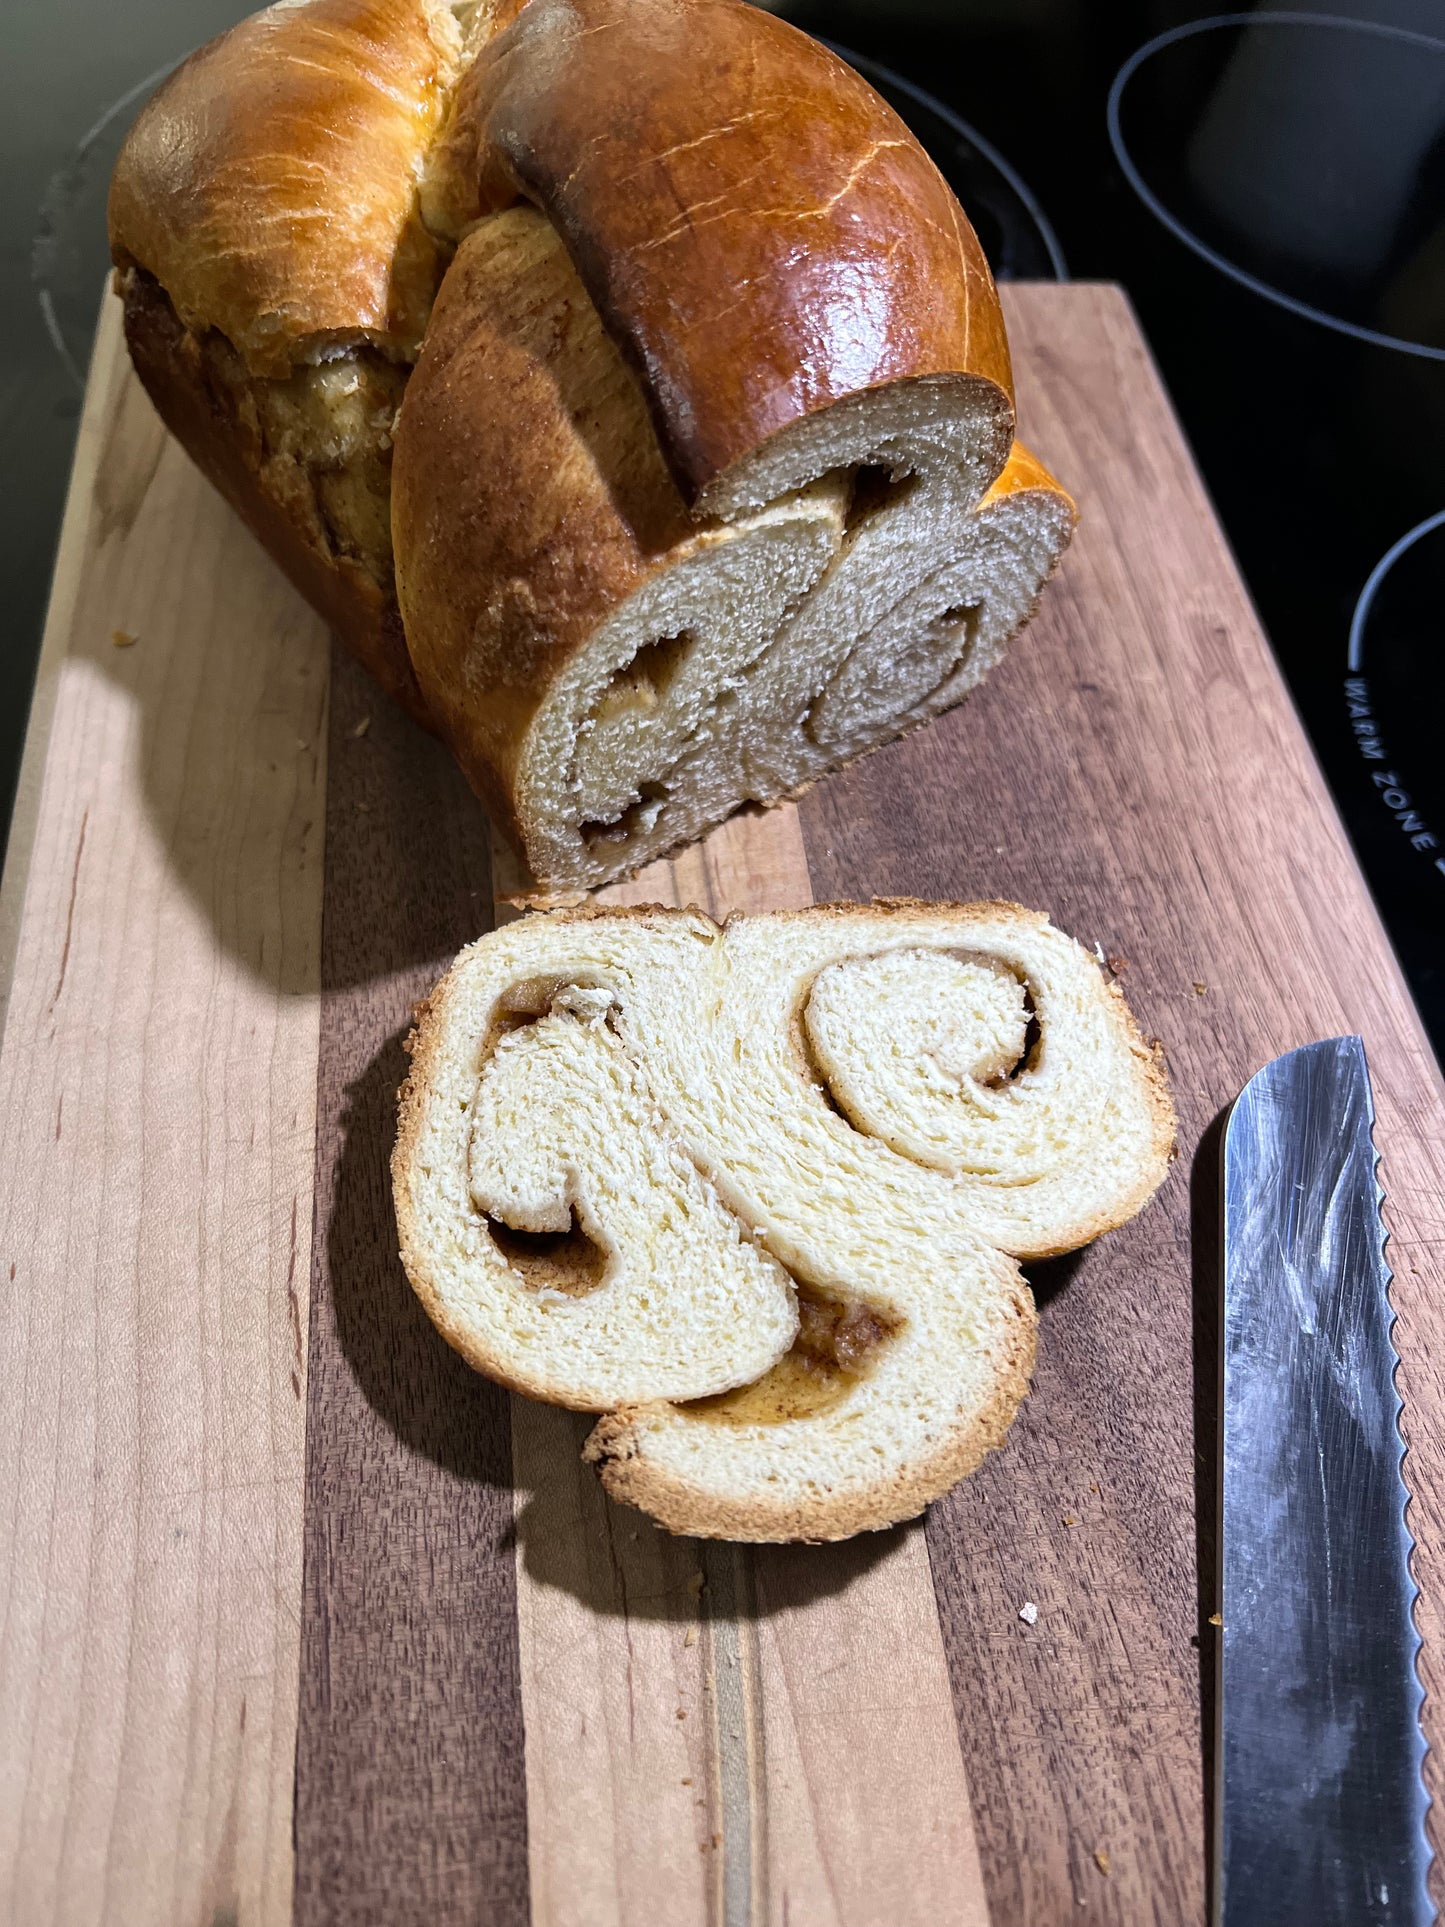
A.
x: 270, y: 185
x: 512, y: 531
x: 202, y: 413
x: 759, y: 231
x: 630, y: 1477
x: 764, y: 243
x: 1023, y: 473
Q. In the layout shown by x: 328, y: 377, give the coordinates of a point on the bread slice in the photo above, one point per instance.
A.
x: 757, y: 1193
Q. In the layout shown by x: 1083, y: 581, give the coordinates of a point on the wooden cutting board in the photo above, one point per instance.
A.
x: 302, y: 1619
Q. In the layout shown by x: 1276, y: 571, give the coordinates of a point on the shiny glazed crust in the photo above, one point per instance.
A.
x: 761, y: 248
x: 270, y: 185
x: 510, y: 535
x: 760, y: 233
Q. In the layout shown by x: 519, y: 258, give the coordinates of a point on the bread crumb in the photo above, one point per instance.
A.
x: 123, y: 639
x: 1029, y: 1613
x: 1216, y: 1619
x: 1069, y: 1519
x: 717, y: 1839
x: 1200, y: 990
x: 1093, y: 1488
x: 687, y: 1782
x: 1101, y: 1856
x: 362, y: 727
x: 1118, y: 965
x: 696, y: 1584
x: 691, y: 1636
x: 681, y: 1713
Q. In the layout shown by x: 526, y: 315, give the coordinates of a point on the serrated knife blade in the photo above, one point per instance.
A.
x: 1320, y: 1807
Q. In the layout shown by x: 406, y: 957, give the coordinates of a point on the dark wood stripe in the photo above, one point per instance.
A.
x: 1081, y: 1734
x: 1134, y: 768
x: 410, y: 1790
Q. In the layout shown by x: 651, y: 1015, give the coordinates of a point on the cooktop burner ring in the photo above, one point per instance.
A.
x: 1256, y: 284
x: 1376, y: 576
x: 64, y: 191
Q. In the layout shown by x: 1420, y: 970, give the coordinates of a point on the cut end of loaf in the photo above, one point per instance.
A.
x: 788, y: 1168
x: 780, y: 647
x: 686, y: 511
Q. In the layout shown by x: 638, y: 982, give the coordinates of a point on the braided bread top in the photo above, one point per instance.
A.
x: 762, y: 236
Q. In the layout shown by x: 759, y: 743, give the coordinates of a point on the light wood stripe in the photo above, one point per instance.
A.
x: 157, y: 1093
x: 105, y: 391
x: 815, y: 1775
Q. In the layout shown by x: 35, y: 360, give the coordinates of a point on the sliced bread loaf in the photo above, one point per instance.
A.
x: 620, y: 378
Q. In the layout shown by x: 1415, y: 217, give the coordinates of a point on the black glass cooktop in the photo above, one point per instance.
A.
x: 1269, y: 187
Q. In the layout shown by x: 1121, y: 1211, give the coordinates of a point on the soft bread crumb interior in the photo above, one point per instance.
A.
x: 864, y: 1114
x: 774, y: 644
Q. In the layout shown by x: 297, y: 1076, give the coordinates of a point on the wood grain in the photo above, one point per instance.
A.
x: 157, y: 1097
x: 410, y: 1796
x: 1136, y: 769
x: 684, y: 1702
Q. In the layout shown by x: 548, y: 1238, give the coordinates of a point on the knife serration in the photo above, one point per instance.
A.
x: 1320, y: 1807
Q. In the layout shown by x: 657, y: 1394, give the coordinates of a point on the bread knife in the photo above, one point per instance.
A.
x: 1319, y: 1805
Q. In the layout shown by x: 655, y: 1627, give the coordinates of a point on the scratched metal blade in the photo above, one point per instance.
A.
x: 1320, y: 1809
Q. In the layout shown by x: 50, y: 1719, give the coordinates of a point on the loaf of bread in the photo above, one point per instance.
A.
x: 757, y: 1193
x: 618, y: 377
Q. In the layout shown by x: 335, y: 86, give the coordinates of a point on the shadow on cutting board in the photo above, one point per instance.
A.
x: 248, y: 754
x: 427, y: 1396
x: 618, y: 1564
x: 437, y: 1409
x: 1047, y: 1277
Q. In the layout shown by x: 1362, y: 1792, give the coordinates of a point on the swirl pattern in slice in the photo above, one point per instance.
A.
x: 810, y: 1148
